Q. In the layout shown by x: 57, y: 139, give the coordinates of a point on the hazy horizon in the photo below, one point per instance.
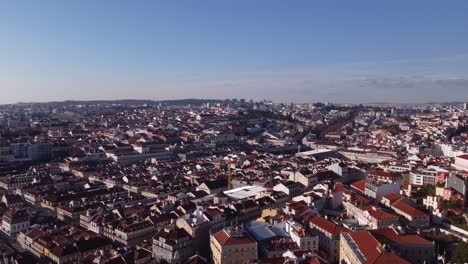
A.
x: 347, y: 52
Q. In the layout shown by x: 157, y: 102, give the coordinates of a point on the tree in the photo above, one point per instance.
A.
x: 426, y: 190
x: 460, y: 254
x: 451, y: 204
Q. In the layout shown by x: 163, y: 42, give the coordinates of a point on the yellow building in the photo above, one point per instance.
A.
x: 233, y: 246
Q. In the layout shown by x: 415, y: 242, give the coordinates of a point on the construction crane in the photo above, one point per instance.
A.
x: 229, y: 178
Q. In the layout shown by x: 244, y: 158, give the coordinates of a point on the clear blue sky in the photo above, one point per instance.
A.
x: 341, y: 51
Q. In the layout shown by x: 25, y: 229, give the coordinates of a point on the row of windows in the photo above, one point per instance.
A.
x: 308, y: 243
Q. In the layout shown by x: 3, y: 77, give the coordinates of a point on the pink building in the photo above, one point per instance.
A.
x: 441, y: 177
x: 448, y: 193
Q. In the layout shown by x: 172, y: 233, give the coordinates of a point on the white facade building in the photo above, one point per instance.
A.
x: 422, y: 177
x: 461, y: 162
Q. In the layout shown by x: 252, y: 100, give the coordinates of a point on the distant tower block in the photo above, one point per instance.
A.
x: 465, y: 106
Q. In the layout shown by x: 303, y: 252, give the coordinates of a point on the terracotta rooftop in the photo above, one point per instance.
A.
x: 333, y: 229
x: 224, y: 239
x: 370, y: 248
x: 359, y: 185
x: 408, y: 209
x: 391, y: 235
x: 393, y: 197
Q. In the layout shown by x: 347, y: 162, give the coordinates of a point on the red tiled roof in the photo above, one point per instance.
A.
x: 385, y: 174
x: 358, y: 199
x: 378, y: 213
x: 390, y: 258
x: 369, y: 247
x: 213, y: 212
x: 393, y: 197
x: 338, y: 188
x: 391, y: 235
x: 408, y: 209
x: 34, y: 232
x: 224, y: 239
x: 300, y: 207
x: 326, y: 225
x: 367, y: 244
x: 359, y: 185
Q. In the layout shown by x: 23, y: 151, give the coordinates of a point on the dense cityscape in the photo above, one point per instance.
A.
x: 233, y: 181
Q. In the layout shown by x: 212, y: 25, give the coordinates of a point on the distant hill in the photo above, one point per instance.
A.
x: 131, y: 102
x: 416, y: 104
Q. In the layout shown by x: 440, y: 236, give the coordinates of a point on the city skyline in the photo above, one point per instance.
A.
x: 233, y: 132
x: 362, y: 52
